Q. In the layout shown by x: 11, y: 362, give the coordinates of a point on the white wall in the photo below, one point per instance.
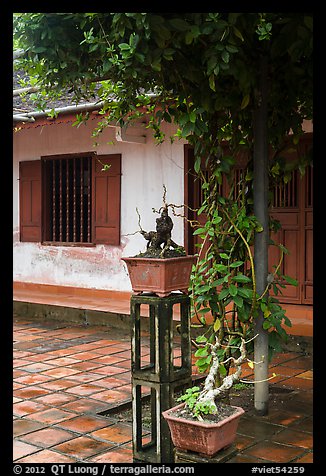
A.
x: 145, y: 168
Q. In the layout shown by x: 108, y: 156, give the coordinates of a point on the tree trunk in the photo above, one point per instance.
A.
x: 261, y: 239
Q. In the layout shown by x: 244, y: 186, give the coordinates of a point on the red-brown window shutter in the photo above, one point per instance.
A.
x: 30, y: 200
x: 106, y: 186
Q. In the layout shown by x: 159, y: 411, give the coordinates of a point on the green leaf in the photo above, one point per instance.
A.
x: 217, y: 325
x: 225, y: 56
x: 201, y: 339
x: 241, y: 278
x: 233, y: 290
x: 290, y: 280
x: 211, y: 80
x: 192, y: 116
x: 197, y: 164
x: 221, y: 268
x: 224, y: 256
x: 238, y: 33
x: 201, y: 352
x: 201, y: 362
x: 245, y: 101
x: 124, y: 46
x: 216, y: 220
x: 238, y: 300
x: 199, y: 231
x: 222, y: 370
x: 179, y: 24
x: 245, y: 292
x: 235, y: 264
x: 223, y: 294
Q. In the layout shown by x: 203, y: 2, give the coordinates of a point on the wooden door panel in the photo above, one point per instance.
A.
x: 308, y: 271
x: 288, y: 236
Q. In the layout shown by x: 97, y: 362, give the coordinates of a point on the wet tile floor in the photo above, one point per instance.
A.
x: 66, y: 376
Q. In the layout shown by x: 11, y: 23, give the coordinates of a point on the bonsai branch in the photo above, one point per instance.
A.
x: 209, y: 393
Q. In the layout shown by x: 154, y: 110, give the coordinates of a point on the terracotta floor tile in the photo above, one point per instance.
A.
x: 121, y: 455
x: 21, y: 449
x: 27, y: 407
x: 84, y: 423
x: 282, y: 357
x: 22, y: 427
x: 126, y: 364
x: 280, y: 417
x: 284, y: 370
x: 93, y: 346
x: 19, y: 373
x: 274, y: 452
x: 51, y: 415
x: 308, y: 374
x: 36, y: 357
x: 82, y: 447
x: 20, y: 354
x: 56, y: 399
x: 301, y: 383
x: 307, y: 458
x: 33, y: 379
x: 54, y: 354
x: 86, y: 405
x: 86, y: 355
x: 47, y: 456
x: 127, y: 388
x: 47, y: 437
x: 85, y: 377
x: 37, y: 367
x: 87, y: 365
x: 59, y: 361
x: 245, y: 459
x: 257, y: 428
x: 294, y: 438
x: 58, y: 384
x: 108, y: 359
x: 85, y: 389
x: 111, y: 370
x: 126, y: 354
x: 243, y: 442
x: 30, y: 392
x: 61, y: 372
x: 110, y: 382
x: 117, y: 433
x: 20, y: 363
x: 304, y: 425
x: 111, y: 396
x: 303, y: 408
x: 304, y: 363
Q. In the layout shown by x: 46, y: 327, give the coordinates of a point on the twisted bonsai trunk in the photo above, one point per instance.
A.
x: 209, y: 393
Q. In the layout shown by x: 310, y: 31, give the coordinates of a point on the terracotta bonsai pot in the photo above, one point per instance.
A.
x: 160, y: 275
x: 202, y: 437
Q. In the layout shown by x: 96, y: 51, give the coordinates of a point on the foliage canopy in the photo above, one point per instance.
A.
x: 201, y: 71
x: 201, y: 68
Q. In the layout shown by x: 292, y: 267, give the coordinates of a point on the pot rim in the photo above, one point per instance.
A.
x: 167, y: 415
x: 159, y: 260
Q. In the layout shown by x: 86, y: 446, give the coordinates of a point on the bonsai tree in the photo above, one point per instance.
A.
x: 162, y: 235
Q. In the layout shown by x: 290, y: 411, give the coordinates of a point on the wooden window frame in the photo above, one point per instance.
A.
x: 103, y: 219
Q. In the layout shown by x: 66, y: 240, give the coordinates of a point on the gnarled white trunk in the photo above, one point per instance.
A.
x: 209, y: 392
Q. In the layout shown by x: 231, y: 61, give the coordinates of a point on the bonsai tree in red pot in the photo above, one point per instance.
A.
x: 201, y: 423
x: 164, y: 266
